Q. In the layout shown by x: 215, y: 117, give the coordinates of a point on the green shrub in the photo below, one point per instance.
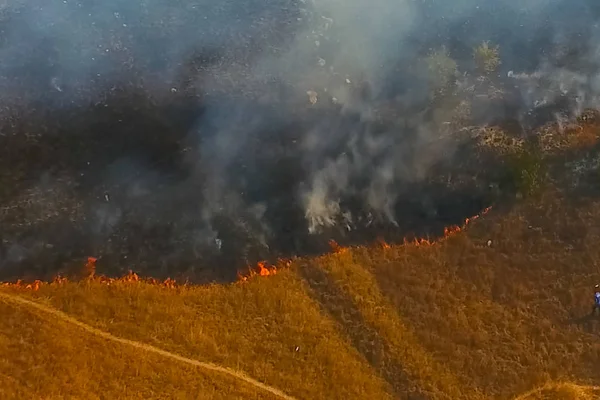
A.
x: 442, y: 72
x: 487, y: 58
x: 526, y: 172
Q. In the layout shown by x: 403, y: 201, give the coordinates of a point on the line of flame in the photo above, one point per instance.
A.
x: 262, y: 268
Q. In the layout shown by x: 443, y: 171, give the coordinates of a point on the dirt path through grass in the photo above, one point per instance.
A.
x: 562, y: 390
x: 142, y: 346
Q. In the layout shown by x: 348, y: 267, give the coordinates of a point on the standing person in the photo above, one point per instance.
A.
x: 596, y: 308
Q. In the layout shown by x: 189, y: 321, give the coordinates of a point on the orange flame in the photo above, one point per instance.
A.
x: 448, y: 232
x: 418, y: 242
x: 336, y: 248
x: 451, y: 230
x: 384, y: 245
x: 90, y: 269
x: 261, y: 268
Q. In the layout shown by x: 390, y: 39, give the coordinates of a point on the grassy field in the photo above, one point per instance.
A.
x: 493, y: 312
x: 51, y: 360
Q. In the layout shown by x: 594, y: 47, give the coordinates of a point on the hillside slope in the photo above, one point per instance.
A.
x: 491, y: 312
x: 46, y: 358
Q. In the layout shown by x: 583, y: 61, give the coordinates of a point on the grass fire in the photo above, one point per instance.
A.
x: 300, y: 199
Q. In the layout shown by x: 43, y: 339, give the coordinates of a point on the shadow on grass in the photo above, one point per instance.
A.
x: 590, y: 323
x: 364, y: 338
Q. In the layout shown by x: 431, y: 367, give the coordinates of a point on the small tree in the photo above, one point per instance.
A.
x: 442, y: 72
x: 527, y: 171
x: 487, y: 58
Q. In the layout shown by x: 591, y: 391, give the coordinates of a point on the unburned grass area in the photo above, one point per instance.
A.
x: 351, y: 296
x: 562, y: 391
x: 268, y: 328
x: 507, y: 316
x: 45, y: 358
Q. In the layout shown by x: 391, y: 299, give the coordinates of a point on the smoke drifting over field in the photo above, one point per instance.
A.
x: 163, y: 135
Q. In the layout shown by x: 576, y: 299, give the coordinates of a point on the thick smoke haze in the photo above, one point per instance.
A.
x: 170, y: 135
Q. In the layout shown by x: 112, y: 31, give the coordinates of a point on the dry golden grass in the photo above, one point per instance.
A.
x: 254, y: 327
x: 510, y: 316
x: 350, y: 294
x: 455, y: 320
x: 562, y: 391
x: 572, y: 136
x: 46, y: 358
x: 554, y: 138
x: 498, y: 140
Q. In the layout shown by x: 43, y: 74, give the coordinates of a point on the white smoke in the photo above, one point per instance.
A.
x: 343, y: 67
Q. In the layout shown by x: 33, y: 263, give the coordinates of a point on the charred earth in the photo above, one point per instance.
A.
x: 191, y: 150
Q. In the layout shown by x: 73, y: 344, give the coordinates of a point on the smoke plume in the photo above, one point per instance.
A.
x: 180, y: 136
